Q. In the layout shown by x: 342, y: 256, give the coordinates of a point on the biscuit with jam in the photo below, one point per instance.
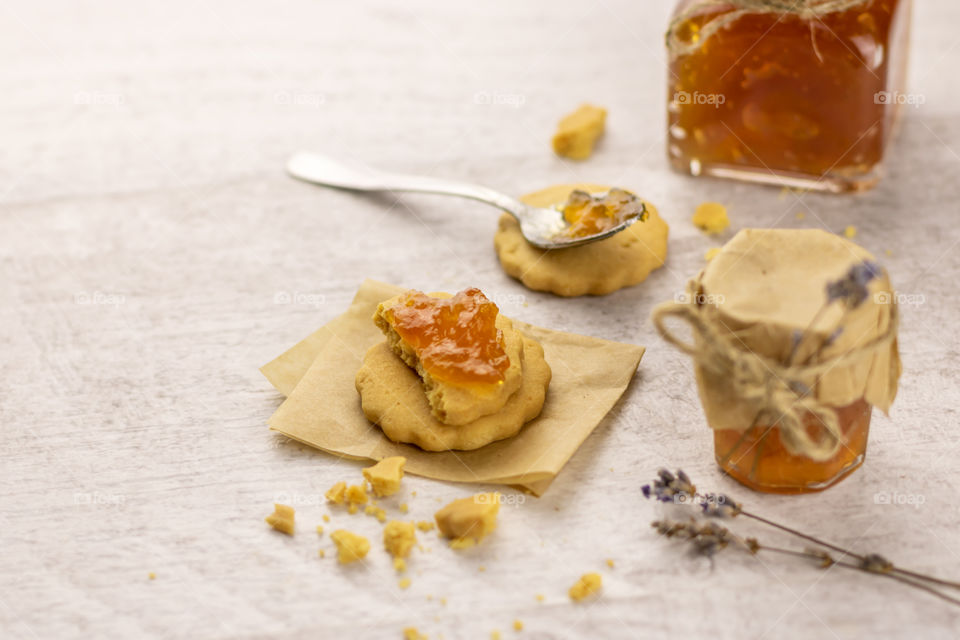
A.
x: 391, y: 395
x: 598, y: 268
x: 468, y: 356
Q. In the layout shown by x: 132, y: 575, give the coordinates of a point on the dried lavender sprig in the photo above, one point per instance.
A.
x: 708, y: 539
x: 869, y: 560
x: 827, y: 561
x: 722, y: 506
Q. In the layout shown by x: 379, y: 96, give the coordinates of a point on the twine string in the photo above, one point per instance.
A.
x: 804, y: 9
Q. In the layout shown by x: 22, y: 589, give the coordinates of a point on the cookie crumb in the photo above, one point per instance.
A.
x: 152, y: 575
x: 357, y: 494
x: 587, y: 585
x: 468, y: 520
x: 281, y: 519
x: 411, y: 633
x: 711, y: 217
x: 403, y: 583
x: 577, y: 132
x: 385, y: 476
x: 350, y: 546
x: 518, y: 625
x: 399, y: 538
x: 337, y: 493
x: 850, y: 231
x: 377, y: 512
x: 610, y: 562
x: 710, y: 254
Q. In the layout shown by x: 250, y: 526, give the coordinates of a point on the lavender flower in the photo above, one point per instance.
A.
x: 706, y: 539
x: 669, y: 487
x: 851, y: 289
x: 719, y: 505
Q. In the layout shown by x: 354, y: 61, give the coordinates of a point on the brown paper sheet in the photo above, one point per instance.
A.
x: 323, y: 408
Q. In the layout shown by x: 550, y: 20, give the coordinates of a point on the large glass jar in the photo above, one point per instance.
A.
x: 803, y: 93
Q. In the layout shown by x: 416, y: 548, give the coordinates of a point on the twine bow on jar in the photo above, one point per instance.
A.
x: 803, y: 9
x: 780, y: 394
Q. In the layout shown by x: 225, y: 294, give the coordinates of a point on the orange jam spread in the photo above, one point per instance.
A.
x: 588, y: 214
x: 758, y: 458
x: 455, y: 339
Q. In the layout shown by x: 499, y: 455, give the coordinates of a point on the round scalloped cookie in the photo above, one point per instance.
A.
x: 391, y: 395
x: 598, y: 268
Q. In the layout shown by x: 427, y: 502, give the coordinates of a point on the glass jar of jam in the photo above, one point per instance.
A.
x: 759, y: 459
x: 794, y: 343
x: 803, y: 94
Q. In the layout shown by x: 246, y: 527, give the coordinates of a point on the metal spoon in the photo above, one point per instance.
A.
x: 542, y: 227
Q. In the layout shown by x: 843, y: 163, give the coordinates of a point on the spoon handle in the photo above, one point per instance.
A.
x: 324, y: 170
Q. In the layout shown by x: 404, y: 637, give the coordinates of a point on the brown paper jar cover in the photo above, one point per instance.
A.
x: 767, y: 286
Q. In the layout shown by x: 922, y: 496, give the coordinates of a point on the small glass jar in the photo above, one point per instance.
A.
x: 807, y: 97
x: 794, y: 344
x: 758, y: 458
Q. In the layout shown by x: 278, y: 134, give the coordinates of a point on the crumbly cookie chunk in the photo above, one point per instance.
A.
x: 391, y: 396
x: 578, y: 131
x: 469, y: 518
x: 282, y: 519
x: 350, y: 546
x: 586, y: 586
x: 598, y: 268
x: 453, y: 404
x: 385, y: 476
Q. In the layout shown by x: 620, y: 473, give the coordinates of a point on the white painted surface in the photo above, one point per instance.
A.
x: 145, y: 237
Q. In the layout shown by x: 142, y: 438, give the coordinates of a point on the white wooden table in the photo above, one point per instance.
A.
x: 147, y: 233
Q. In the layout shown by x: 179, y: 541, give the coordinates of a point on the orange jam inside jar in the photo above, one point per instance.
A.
x: 806, y: 98
x: 758, y: 458
x: 456, y: 339
x: 590, y: 214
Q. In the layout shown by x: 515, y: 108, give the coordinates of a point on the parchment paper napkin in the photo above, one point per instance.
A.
x: 322, y: 408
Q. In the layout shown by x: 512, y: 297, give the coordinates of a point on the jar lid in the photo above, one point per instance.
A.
x: 772, y: 283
